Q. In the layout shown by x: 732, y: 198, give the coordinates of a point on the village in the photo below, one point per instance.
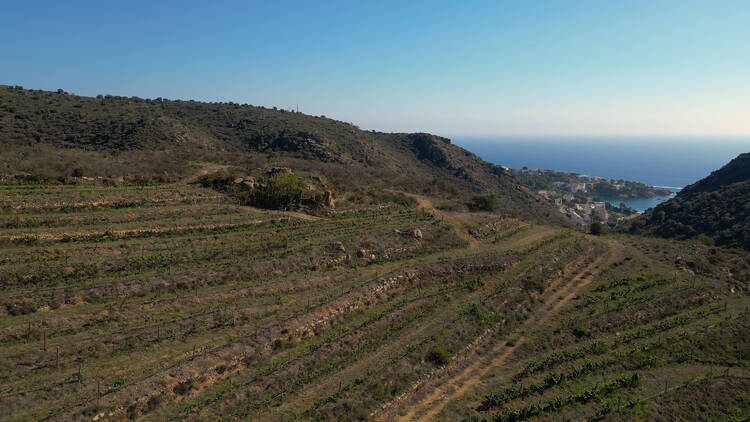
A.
x: 583, y: 213
x: 579, y: 196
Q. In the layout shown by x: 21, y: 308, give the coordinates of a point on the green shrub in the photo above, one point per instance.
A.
x: 484, y: 203
x: 597, y: 228
x: 282, y: 192
x: 439, y: 355
x: 580, y: 332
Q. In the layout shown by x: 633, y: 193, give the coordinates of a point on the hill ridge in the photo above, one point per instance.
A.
x: 162, y: 140
x: 715, y: 208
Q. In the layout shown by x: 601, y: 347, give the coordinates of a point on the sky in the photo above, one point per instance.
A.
x: 456, y: 68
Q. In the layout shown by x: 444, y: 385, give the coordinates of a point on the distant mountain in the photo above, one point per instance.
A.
x: 52, y: 134
x: 717, y: 206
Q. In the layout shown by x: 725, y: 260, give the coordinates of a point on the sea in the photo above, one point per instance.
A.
x: 672, y: 162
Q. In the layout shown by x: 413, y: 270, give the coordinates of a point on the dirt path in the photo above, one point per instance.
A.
x: 455, y: 385
x: 452, y: 219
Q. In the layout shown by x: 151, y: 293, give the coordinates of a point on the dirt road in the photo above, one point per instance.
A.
x: 459, y: 380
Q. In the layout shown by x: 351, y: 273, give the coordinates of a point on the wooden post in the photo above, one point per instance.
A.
x: 57, y: 357
x: 44, y: 336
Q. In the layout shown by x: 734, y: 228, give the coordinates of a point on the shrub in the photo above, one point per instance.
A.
x: 184, y: 387
x: 597, y: 228
x: 704, y: 239
x: 484, y: 203
x: 283, y: 191
x: 439, y: 356
x: 154, y: 402
x: 580, y: 332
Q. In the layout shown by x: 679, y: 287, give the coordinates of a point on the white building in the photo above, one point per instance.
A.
x: 577, y: 187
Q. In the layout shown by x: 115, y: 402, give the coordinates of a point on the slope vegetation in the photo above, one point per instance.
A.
x: 717, y: 208
x: 53, y: 135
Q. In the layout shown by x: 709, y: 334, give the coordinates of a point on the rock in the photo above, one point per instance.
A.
x: 329, y: 199
x: 280, y: 170
x: 417, y: 234
x: 249, y: 182
x: 339, y: 246
x: 238, y: 180
x: 362, y: 253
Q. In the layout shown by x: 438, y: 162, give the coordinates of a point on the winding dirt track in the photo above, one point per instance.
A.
x: 459, y: 381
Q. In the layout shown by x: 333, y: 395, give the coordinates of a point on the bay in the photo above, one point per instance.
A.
x: 665, y: 161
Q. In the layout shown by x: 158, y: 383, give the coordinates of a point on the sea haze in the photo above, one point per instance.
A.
x: 655, y: 160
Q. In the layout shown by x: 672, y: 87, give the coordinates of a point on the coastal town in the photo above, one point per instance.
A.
x: 580, y: 197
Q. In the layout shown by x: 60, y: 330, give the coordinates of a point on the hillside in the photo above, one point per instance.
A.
x: 716, y: 208
x: 50, y: 134
x: 140, y: 281
x: 170, y: 302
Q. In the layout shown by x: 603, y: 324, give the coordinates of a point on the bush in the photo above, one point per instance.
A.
x: 597, y: 229
x: 77, y: 172
x: 282, y: 192
x: 184, y: 387
x: 439, y: 356
x: 484, y: 203
x: 705, y: 240
x: 154, y: 402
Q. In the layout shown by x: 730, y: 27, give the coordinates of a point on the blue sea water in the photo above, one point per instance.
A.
x: 641, y: 204
x: 668, y: 161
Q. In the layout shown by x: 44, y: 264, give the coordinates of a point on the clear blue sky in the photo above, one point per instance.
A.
x: 448, y: 67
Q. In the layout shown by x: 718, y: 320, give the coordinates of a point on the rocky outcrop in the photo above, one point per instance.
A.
x: 430, y: 147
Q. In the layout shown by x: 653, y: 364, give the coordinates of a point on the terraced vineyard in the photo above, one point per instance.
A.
x: 171, y: 302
